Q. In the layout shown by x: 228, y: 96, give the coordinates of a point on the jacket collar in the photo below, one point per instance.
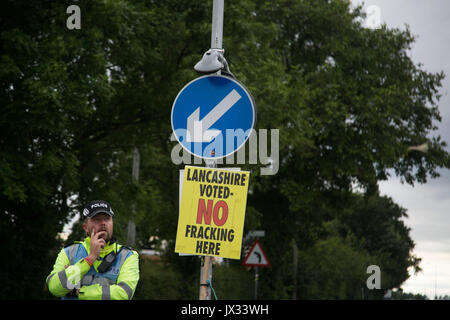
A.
x: 108, y: 248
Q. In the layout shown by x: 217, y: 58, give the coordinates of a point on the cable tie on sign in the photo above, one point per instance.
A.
x: 212, y: 289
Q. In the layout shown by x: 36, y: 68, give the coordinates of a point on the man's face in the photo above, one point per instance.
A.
x: 100, y: 222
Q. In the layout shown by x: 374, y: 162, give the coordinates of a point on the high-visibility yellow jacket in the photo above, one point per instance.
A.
x: 71, y: 272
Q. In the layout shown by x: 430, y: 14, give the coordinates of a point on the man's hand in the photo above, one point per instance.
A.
x: 97, y: 243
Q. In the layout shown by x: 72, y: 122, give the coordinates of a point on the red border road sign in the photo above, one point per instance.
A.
x: 258, y: 251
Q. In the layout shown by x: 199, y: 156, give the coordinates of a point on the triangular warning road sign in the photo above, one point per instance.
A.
x: 256, y: 257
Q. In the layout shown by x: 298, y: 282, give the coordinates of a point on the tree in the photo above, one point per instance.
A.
x: 333, y: 269
x: 38, y: 168
x: 75, y: 102
x: 400, y: 295
x: 354, y: 101
x: 377, y: 221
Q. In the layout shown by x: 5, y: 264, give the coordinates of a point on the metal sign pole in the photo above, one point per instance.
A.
x: 131, y: 232
x: 206, y: 267
x: 216, y: 43
x: 256, y: 283
x: 205, y: 276
x: 217, y: 24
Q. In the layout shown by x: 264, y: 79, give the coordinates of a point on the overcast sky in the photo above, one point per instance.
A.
x: 428, y: 205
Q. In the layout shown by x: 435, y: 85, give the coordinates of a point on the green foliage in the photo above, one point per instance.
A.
x: 161, y: 281
x: 378, y: 222
x: 400, y: 295
x: 233, y: 282
x: 348, y: 102
x: 158, y: 281
x: 369, y: 233
x: 332, y: 269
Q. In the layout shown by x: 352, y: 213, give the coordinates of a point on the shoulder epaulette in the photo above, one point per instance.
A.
x: 72, y: 243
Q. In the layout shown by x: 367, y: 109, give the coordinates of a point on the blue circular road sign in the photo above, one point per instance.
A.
x: 213, y: 116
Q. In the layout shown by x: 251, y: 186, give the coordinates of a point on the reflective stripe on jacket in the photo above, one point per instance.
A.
x: 71, y: 272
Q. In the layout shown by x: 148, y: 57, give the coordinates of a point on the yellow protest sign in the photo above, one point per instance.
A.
x: 212, y: 212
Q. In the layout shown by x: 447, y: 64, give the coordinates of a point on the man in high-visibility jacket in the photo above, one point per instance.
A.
x: 97, y: 268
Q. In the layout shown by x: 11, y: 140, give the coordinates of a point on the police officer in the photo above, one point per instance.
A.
x: 97, y: 268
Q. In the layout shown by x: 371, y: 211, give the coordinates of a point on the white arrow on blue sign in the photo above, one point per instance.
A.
x: 212, y: 116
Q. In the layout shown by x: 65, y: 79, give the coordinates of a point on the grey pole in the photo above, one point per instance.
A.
x: 216, y: 43
x: 256, y: 283
x: 213, y: 60
x: 131, y: 234
x: 295, y: 265
x: 217, y: 24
